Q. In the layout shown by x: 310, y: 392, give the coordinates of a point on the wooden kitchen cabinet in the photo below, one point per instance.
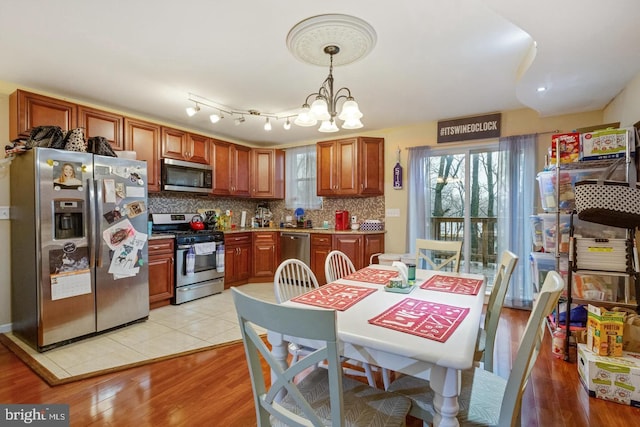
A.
x: 198, y: 148
x: 373, y: 244
x: 180, y: 145
x: 265, y: 254
x: 267, y: 173
x: 102, y: 123
x: 237, y: 259
x: 320, y: 248
x: 352, y: 246
x: 161, y: 271
x: 28, y: 110
x: 231, y: 163
x: 144, y: 138
x: 351, y: 167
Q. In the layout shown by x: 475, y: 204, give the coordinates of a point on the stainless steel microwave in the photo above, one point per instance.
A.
x: 178, y: 175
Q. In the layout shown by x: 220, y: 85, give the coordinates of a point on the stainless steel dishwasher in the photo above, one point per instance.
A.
x: 295, y: 245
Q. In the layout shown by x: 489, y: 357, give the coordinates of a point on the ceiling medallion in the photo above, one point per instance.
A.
x: 353, y: 37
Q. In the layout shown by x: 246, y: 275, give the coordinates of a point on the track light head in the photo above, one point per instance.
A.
x: 191, y: 111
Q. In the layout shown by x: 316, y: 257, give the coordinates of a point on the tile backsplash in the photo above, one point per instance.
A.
x: 362, y: 208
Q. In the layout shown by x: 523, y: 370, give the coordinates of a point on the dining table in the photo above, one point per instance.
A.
x: 428, y: 333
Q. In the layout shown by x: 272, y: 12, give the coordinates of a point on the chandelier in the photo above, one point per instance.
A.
x: 310, y: 41
x: 325, y: 105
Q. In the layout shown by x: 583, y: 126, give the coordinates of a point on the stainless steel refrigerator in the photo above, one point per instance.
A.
x: 78, y: 245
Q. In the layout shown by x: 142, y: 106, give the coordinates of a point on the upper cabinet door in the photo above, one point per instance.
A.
x: 240, y: 170
x: 144, y: 138
x: 102, y: 123
x: 371, y: 166
x: 221, y: 163
x: 28, y: 110
x: 326, y: 168
x: 174, y: 144
x: 198, y: 148
x: 267, y: 173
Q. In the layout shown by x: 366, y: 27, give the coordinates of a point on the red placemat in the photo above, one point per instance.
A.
x: 422, y: 318
x: 334, y: 295
x: 372, y: 275
x: 454, y: 285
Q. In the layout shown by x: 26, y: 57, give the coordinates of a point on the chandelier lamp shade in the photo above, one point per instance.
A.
x: 324, y: 107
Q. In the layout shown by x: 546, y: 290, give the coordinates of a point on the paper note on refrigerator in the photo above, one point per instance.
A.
x: 70, y: 284
x: 126, y: 258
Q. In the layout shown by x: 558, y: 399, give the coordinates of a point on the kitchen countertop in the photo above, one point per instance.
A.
x: 302, y: 230
x: 157, y: 236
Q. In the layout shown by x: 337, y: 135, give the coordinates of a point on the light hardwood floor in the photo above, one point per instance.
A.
x: 212, y: 388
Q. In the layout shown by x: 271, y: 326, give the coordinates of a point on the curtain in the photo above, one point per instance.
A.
x: 419, y: 211
x: 516, y: 178
x: 300, y: 181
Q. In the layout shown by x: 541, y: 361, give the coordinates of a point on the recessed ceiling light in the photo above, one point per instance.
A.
x: 542, y: 89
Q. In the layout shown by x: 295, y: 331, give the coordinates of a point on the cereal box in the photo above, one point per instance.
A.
x: 607, y: 143
x: 569, y: 144
x: 605, y: 331
x: 611, y: 378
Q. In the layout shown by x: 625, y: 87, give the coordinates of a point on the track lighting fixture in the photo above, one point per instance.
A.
x: 287, y: 124
x: 191, y: 111
x: 239, y: 120
x: 267, y: 125
x: 216, y: 117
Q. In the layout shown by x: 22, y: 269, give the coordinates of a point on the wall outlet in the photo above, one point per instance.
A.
x: 4, y: 212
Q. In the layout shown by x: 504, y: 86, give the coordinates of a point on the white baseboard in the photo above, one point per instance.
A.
x: 5, y: 328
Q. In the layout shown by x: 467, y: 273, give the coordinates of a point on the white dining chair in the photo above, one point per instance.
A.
x: 486, y: 399
x: 338, y: 265
x: 487, y: 334
x: 426, y: 250
x: 292, y: 278
x: 322, y: 397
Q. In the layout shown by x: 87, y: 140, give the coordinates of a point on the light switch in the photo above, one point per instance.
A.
x: 4, y: 212
x: 392, y: 212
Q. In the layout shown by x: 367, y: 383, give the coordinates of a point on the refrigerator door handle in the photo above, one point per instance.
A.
x: 91, y: 226
x: 98, y: 209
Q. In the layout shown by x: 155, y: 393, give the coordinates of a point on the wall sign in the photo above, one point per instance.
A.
x: 478, y: 127
x: 397, y: 174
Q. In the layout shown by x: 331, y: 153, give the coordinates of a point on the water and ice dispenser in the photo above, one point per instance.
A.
x: 68, y: 219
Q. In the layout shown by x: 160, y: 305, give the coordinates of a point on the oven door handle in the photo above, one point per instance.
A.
x: 192, y: 287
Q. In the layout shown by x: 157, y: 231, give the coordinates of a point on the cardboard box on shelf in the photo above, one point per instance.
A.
x: 569, y: 144
x: 607, y: 143
x: 611, y: 378
x: 605, y: 331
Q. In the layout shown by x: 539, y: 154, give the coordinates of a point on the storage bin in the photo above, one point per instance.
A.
x: 596, y: 287
x: 536, y: 231
x: 550, y: 230
x: 582, y: 229
x: 568, y: 178
x: 387, y: 259
x: 542, y: 263
x: 601, y: 254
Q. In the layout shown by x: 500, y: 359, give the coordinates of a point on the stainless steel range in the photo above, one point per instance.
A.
x: 207, y: 277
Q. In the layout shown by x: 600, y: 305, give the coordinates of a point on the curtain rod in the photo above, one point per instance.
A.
x: 549, y: 131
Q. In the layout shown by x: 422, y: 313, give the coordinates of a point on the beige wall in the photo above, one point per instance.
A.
x: 625, y: 108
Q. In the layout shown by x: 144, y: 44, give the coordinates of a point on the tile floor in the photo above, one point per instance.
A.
x: 170, y: 329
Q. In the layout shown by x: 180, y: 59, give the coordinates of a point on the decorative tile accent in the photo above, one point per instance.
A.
x: 363, y: 208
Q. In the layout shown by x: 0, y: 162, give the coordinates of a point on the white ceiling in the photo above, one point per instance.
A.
x: 434, y: 59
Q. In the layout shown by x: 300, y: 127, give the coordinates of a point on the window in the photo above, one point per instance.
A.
x: 301, y: 178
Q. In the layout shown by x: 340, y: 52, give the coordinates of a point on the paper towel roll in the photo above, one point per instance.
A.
x: 243, y: 219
